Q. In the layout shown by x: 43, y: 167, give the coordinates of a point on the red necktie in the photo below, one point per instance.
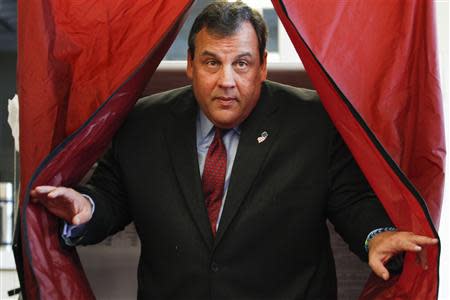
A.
x: 213, y: 178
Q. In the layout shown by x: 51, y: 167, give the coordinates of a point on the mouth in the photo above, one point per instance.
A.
x: 225, y: 101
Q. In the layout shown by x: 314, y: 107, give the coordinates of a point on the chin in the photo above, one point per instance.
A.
x: 225, y: 124
x: 225, y: 121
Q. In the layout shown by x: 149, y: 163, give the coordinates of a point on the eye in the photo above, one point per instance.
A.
x: 241, y: 64
x: 212, y: 63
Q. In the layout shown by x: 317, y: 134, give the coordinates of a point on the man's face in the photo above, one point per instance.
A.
x: 226, y: 74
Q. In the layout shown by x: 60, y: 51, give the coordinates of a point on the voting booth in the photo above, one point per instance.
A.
x: 82, y: 68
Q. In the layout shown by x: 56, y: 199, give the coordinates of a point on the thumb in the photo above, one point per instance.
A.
x: 379, y: 269
x: 76, y: 220
x: 83, y: 216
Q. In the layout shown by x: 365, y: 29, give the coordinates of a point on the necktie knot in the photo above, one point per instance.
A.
x: 218, y: 132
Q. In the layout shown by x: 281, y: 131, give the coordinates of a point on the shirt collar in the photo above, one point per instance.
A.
x: 205, y: 125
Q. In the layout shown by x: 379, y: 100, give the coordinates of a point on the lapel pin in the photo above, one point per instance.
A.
x: 263, y: 137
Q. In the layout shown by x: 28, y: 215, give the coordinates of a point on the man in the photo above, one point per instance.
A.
x: 230, y: 182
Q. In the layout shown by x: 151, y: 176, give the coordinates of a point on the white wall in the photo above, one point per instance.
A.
x: 442, y: 16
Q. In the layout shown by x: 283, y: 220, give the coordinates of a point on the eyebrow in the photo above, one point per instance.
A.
x: 244, y: 54
x: 208, y: 53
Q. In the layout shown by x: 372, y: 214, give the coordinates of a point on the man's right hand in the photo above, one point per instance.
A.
x: 65, y: 203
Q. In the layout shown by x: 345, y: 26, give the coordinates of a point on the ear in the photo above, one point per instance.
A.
x: 189, y: 65
x: 264, y: 67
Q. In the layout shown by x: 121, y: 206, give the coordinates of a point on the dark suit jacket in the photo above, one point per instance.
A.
x: 272, y: 241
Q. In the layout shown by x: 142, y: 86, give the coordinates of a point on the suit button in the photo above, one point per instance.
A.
x: 214, y: 267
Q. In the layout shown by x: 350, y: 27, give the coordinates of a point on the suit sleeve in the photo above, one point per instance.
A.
x: 106, y: 189
x: 353, y: 207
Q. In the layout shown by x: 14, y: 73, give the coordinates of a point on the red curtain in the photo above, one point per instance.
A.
x: 83, y: 64
x: 81, y: 67
x: 374, y: 65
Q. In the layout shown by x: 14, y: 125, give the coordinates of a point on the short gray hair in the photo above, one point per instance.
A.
x: 224, y: 19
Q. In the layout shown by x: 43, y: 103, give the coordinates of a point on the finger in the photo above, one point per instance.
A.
x: 44, y: 189
x: 413, y: 243
x: 81, y: 218
x: 423, y: 259
x: 76, y: 220
x: 424, y: 240
x: 379, y: 269
x: 33, y: 193
x: 408, y: 246
x: 40, y: 191
x: 57, y: 192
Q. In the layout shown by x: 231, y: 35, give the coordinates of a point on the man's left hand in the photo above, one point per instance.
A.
x: 387, y: 244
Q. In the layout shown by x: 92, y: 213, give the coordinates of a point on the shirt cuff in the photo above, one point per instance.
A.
x: 71, y: 234
x: 374, y: 233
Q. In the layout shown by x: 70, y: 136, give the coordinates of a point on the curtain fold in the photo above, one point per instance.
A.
x: 374, y: 64
x: 81, y: 67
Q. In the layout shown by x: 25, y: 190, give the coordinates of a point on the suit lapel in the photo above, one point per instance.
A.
x: 181, y: 140
x: 250, y: 156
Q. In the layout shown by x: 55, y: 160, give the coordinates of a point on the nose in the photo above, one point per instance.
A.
x: 226, y: 79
